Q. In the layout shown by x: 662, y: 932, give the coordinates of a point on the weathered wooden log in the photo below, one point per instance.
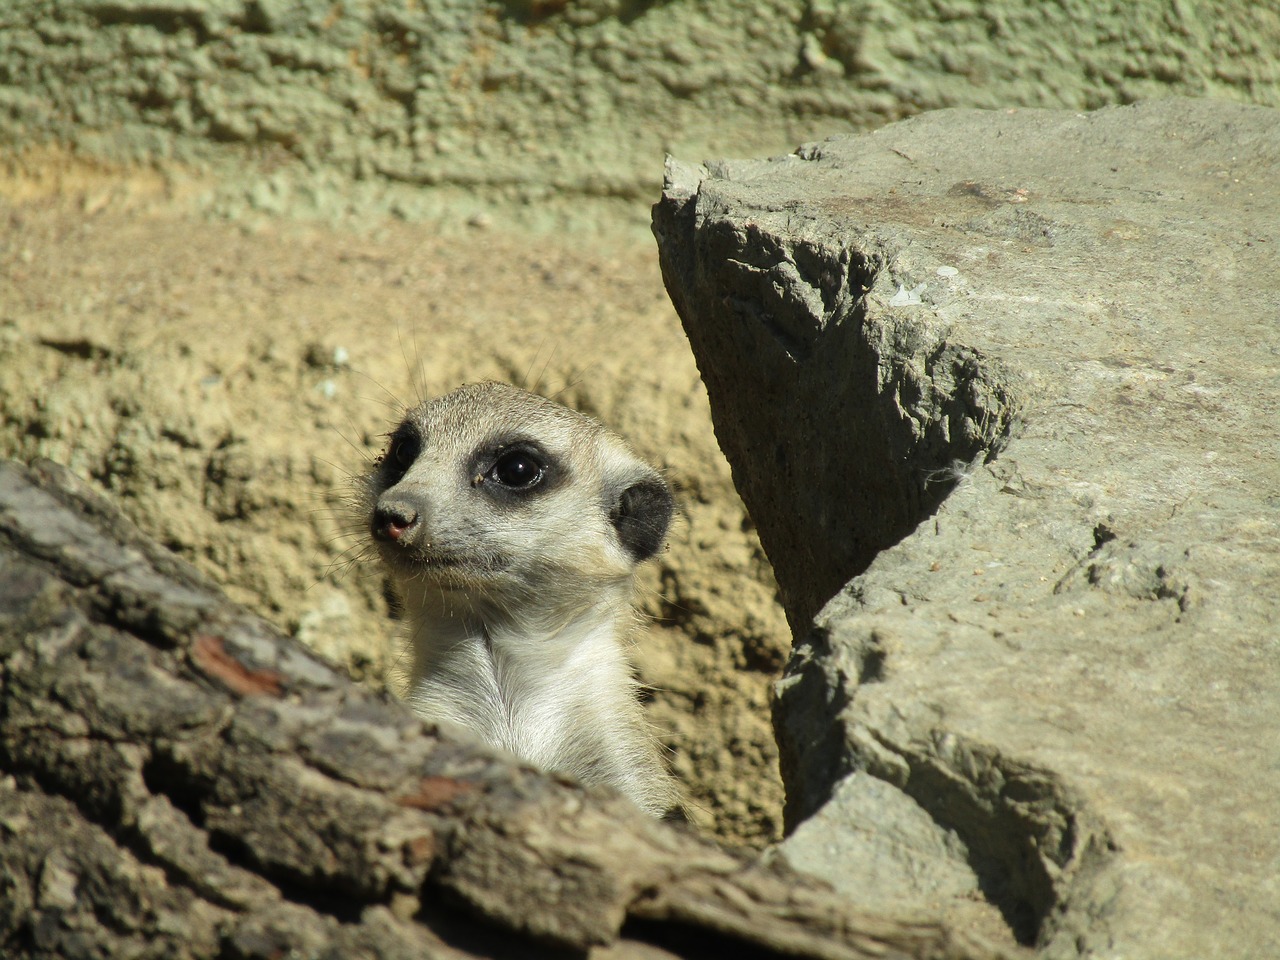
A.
x: 182, y: 780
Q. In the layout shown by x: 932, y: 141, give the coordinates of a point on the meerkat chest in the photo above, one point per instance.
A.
x: 552, y: 701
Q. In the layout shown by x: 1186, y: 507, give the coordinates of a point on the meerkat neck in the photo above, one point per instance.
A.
x: 551, y: 683
x: 541, y: 626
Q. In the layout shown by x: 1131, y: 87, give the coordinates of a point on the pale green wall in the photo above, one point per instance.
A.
x: 581, y: 97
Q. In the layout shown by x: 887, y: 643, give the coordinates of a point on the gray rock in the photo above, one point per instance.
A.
x: 1014, y: 377
x: 873, y: 858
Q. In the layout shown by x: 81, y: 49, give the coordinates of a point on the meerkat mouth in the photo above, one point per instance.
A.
x: 452, y: 567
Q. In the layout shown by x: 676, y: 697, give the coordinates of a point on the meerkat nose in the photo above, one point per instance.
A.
x: 392, y: 520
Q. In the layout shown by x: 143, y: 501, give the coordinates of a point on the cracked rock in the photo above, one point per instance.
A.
x: 999, y: 389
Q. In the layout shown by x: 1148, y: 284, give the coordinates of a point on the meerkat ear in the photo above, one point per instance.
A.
x: 641, y: 514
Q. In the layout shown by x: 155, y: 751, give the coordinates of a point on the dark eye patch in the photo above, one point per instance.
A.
x: 402, y: 450
x: 511, y: 468
x: 517, y: 470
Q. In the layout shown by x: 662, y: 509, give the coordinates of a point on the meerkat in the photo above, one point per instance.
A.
x: 512, y: 528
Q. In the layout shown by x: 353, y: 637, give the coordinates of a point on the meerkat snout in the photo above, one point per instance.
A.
x: 512, y: 528
x: 392, y: 520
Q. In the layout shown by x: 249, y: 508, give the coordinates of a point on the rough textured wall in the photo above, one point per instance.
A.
x: 581, y: 97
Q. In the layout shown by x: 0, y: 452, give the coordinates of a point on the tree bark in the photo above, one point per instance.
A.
x: 179, y: 779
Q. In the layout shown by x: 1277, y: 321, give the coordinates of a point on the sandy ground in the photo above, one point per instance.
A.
x: 223, y: 382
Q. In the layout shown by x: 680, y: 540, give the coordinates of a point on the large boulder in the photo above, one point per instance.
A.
x: 1013, y: 376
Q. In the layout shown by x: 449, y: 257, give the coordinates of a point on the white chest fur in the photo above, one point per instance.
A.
x: 560, y: 696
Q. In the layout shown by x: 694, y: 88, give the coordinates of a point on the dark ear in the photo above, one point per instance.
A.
x: 642, y: 515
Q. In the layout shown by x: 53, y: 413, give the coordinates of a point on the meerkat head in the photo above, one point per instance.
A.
x: 493, y: 490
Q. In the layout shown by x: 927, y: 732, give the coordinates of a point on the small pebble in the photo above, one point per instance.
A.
x: 907, y: 298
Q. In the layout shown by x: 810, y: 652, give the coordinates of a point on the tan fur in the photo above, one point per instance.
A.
x: 520, y: 599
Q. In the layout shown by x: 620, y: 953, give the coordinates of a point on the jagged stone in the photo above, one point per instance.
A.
x: 1013, y: 376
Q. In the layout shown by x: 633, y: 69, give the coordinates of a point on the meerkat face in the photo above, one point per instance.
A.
x: 491, y: 487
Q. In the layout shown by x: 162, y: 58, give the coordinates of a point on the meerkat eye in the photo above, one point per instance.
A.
x: 516, y: 469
